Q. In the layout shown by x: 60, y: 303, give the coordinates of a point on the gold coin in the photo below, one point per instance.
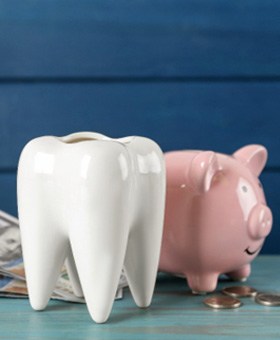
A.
x: 240, y: 291
x: 268, y: 299
x: 222, y: 302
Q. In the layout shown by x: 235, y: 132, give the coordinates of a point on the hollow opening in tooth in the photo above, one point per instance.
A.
x: 78, y: 140
x: 91, y: 136
x: 82, y: 137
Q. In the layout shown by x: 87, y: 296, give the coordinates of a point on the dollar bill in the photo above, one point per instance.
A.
x: 12, y: 274
x: 10, y: 245
x: 13, y: 269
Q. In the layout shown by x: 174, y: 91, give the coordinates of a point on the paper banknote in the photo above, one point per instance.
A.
x: 12, y: 275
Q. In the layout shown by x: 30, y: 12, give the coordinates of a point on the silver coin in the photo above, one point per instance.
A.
x: 222, y: 302
x: 268, y: 299
x: 240, y: 291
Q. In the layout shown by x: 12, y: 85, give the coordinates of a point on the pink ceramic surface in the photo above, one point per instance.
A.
x: 216, y: 216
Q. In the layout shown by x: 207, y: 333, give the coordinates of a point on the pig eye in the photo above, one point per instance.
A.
x: 260, y: 185
x: 244, y: 188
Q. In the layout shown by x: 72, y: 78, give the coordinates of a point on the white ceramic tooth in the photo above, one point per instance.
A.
x: 100, y: 203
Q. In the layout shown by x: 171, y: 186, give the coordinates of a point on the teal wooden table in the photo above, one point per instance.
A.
x: 175, y: 314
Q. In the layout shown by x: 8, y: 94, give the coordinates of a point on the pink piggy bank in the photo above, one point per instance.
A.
x: 216, y: 216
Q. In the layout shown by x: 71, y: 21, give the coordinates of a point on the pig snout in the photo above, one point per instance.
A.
x: 260, y: 221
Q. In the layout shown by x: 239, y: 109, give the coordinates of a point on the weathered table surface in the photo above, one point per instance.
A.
x: 174, y: 314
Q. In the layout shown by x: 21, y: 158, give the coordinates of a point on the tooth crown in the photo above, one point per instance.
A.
x: 98, y: 202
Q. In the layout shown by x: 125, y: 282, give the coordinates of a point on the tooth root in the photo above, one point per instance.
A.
x: 99, y: 255
x: 142, y: 257
x: 143, y: 249
x: 73, y: 274
x: 44, y: 252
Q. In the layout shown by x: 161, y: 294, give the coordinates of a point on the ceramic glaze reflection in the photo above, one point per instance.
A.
x: 123, y: 166
x: 149, y: 163
x: 44, y: 163
x: 85, y: 165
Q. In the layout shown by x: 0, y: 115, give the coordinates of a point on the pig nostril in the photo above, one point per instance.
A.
x: 264, y: 225
x: 268, y: 222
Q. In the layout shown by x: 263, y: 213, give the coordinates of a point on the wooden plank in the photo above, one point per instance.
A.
x: 194, y: 38
x: 219, y: 116
x: 271, y: 184
x: 175, y: 313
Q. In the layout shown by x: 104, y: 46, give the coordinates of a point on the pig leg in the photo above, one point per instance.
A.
x: 240, y: 274
x: 202, y: 283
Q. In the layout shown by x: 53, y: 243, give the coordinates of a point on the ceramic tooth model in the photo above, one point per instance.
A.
x: 98, y: 202
x: 216, y: 215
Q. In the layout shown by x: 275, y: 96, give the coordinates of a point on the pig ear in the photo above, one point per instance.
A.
x: 254, y: 156
x: 202, y: 169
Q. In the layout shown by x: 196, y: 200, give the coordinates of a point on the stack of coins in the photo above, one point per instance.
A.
x: 231, y: 296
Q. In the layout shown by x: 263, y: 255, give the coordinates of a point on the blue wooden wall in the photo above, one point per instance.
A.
x: 188, y: 73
